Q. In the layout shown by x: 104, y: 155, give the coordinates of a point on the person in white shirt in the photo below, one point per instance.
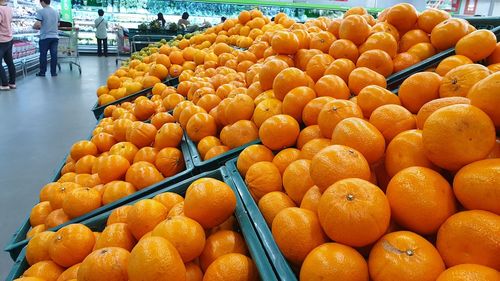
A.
x: 101, y: 33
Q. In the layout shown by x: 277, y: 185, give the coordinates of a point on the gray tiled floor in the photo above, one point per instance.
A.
x: 38, y: 123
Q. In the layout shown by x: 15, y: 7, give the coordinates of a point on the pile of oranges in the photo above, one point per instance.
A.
x: 165, y: 238
x: 122, y: 156
x: 355, y: 182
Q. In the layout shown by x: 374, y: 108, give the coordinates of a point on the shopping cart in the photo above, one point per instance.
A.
x: 67, y: 50
x: 122, y: 45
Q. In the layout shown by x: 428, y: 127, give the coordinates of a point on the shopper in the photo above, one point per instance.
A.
x: 161, y: 20
x: 184, y: 20
x: 6, y: 47
x: 101, y: 33
x: 47, y: 21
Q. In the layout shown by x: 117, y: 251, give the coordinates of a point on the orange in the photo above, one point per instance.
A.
x: 232, y: 266
x: 333, y: 261
x: 475, y: 185
x: 392, y: 119
x: 321, y: 41
x: 435, y: 204
x: 362, y: 77
x: 40, y: 212
x: 482, y: 95
x: 304, y: 226
x: 469, y: 272
x: 239, y: 133
x: 312, y: 147
x: 403, y: 16
x: 380, y: 41
x: 147, y: 154
x: 418, y: 89
x: 406, y: 150
x: 404, y: 60
x: 209, y: 201
x: 71, y: 244
x: 112, y: 167
x: 430, y: 107
x: 35, y: 230
x: 154, y: 258
x: 251, y: 155
x: 103, y: 142
x: 466, y: 238
x: 373, y: 96
x: 118, y: 215
x: 412, y: 38
x: 193, y: 272
x: 221, y: 243
x: 285, y: 42
x: 285, y: 157
x: 354, y: 28
x: 344, y: 48
x: 459, y: 80
x: 450, y: 143
x: 335, y: 111
x: 288, y: 79
x: 265, y: 109
x: 56, y: 218
x: 82, y: 148
x: 38, y: 247
x: 141, y: 134
x: 307, y: 134
x: 144, y: 215
x: 376, y: 60
x: 116, y: 235
x: 450, y: 63
x: 201, y: 125
x: 187, y: 236
x: 216, y: 151
x: 383, y: 26
x: 295, y: 101
x: 311, y: 199
x: 317, y: 65
x: 313, y: 108
x: 108, y: 263
x: 477, y: 45
x: 263, y: 177
x: 341, y: 67
x: 354, y: 212
x: 429, y: 18
x: 297, y: 179
x: 404, y: 255
x: 272, y: 203
x: 80, y: 201
x: 362, y: 136
x: 44, y: 270
x: 422, y: 50
x: 269, y: 71
x: 143, y: 174
x: 333, y: 86
x: 279, y: 131
x: 70, y: 273
x: 169, y: 135
x: 447, y: 33
x: 337, y: 162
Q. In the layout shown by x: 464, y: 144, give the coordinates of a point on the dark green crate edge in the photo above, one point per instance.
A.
x: 281, y: 265
x: 18, y: 238
x: 215, y: 162
x: 99, y: 110
x: 255, y: 247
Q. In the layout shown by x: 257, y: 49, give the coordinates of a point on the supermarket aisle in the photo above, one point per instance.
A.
x: 39, y: 122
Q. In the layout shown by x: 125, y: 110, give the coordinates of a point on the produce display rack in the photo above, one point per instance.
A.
x: 254, y: 244
x: 98, y: 110
x: 19, y: 240
x: 283, y: 268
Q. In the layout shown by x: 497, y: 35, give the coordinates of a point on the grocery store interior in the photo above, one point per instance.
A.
x: 268, y: 140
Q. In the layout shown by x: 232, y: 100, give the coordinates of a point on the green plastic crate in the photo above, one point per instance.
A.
x: 255, y: 246
x: 213, y: 163
x: 282, y: 267
x: 18, y: 240
x: 99, y: 110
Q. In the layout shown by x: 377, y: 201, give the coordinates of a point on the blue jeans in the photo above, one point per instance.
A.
x: 48, y: 44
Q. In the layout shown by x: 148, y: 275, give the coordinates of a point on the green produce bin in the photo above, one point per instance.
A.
x: 99, y: 110
x: 282, y: 267
x: 255, y: 246
x: 18, y: 240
